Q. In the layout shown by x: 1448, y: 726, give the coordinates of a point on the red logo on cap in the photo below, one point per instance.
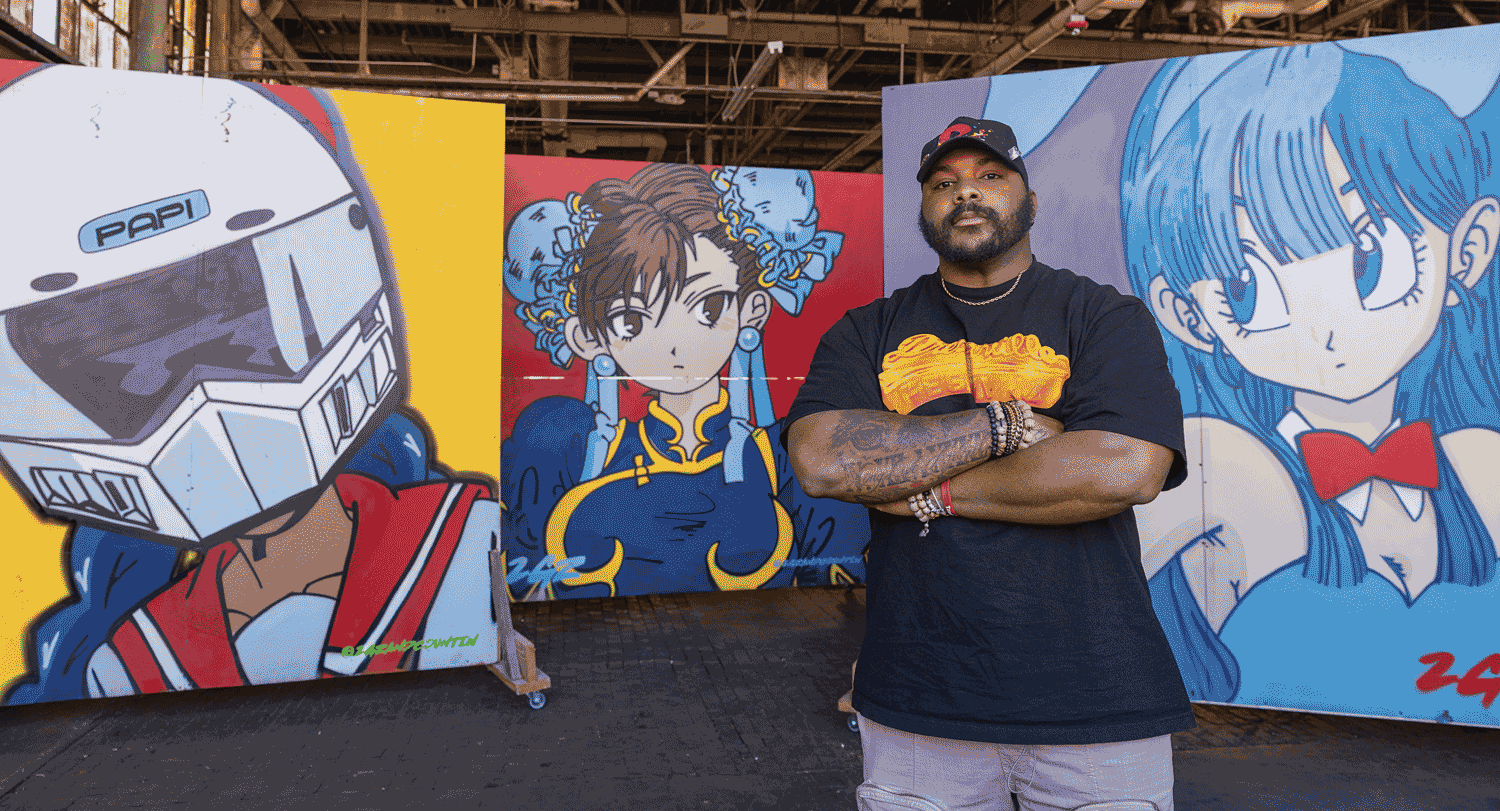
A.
x: 953, y: 132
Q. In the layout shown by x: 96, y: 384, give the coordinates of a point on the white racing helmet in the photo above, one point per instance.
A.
x: 196, y: 317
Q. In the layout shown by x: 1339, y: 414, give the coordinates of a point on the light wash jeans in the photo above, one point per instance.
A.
x: 907, y: 772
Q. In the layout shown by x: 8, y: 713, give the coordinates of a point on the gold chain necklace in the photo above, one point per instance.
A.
x: 1016, y: 282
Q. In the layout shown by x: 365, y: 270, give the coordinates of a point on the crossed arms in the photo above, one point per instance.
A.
x: 878, y: 459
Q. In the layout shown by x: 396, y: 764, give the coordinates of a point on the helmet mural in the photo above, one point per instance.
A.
x: 196, y: 308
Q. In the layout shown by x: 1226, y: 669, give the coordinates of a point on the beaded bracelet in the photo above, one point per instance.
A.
x: 919, y: 509
x: 1021, y: 426
x: 1030, y: 430
x: 1013, y: 426
x: 1010, y: 425
x: 927, y: 505
x: 993, y: 409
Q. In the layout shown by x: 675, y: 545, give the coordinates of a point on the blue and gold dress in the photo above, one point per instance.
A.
x: 659, y: 519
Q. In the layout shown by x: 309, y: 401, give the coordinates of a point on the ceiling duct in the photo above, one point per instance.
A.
x: 584, y: 139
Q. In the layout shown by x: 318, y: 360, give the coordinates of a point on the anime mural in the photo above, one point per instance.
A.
x: 657, y: 317
x: 238, y: 320
x: 1315, y: 229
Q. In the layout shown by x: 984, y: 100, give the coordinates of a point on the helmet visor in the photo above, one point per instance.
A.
x: 264, y: 308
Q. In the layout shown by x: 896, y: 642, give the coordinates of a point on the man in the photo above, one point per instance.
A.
x: 1010, y: 647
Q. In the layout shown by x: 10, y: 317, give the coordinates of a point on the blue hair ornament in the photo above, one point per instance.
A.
x: 774, y: 210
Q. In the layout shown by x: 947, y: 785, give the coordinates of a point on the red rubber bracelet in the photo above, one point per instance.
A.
x: 947, y: 498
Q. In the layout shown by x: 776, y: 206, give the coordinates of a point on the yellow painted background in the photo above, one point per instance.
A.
x: 437, y: 169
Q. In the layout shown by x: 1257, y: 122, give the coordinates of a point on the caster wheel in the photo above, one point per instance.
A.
x: 537, y: 700
x: 853, y: 722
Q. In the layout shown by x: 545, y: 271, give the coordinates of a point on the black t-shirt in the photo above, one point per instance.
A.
x: 990, y: 630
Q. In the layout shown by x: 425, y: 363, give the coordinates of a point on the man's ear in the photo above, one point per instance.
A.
x: 1179, y: 316
x: 1472, y: 245
x: 582, y: 345
x: 756, y: 310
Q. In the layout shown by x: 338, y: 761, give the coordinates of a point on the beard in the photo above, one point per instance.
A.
x: 1008, y: 231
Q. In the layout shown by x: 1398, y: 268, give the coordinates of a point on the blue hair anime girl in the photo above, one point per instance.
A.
x: 1313, y: 234
x: 661, y: 279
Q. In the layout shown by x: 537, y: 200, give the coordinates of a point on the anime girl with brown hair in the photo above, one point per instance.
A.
x: 661, y: 279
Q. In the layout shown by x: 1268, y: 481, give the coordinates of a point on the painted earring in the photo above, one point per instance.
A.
x: 749, y: 339
x: 604, y: 365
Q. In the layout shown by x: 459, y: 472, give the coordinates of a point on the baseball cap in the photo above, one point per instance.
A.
x: 992, y: 136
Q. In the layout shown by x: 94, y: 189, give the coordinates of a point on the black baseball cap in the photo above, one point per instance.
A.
x: 992, y: 136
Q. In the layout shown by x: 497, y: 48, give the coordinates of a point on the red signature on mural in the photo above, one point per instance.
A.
x: 1472, y: 683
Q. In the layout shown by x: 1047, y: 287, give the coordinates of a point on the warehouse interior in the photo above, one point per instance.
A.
x: 781, y: 83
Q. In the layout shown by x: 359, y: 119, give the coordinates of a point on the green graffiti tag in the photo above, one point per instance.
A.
x: 410, y: 644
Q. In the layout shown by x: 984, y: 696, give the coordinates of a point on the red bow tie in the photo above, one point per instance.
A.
x: 1337, y: 461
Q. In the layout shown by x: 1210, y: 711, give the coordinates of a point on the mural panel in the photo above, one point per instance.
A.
x: 1315, y: 229
x: 238, y: 320
x: 659, y: 318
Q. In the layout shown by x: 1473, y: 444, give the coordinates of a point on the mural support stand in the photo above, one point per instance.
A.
x: 517, y: 663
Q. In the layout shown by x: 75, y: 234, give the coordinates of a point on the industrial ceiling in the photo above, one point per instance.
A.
x: 791, y: 83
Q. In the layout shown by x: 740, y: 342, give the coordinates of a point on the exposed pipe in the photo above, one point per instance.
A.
x: 153, y: 36
x: 221, y: 23
x: 662, y: 71
x: 364, y: 37
x: 681, y: 125
x: 489, y: 41
x: 1033, y: 42
x: 492, y: 89
x: 507, y: 96
x: 1464, y: 12
x: 552, y: 59
x: 925, y: 24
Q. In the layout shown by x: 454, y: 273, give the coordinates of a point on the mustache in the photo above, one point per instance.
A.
x: 973, y: 209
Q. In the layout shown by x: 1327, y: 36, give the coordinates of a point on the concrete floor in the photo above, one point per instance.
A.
x: 722, y: 701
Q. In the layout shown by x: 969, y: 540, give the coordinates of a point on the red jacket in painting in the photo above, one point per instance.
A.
x: 403, y: 541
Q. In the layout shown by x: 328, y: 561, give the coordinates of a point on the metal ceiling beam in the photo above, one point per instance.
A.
x: 859, y: 145
x: 489, y: 41
x: 682, y: 125
x: 811, y: 30
x: 525, y: 89
x: 1464, y: 12
x: 816, y: 30
x: 1349, y: 16
x: 281, y: 50
x: 348, y: 45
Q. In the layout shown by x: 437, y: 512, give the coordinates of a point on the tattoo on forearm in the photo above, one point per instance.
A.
x: 887, y: 457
